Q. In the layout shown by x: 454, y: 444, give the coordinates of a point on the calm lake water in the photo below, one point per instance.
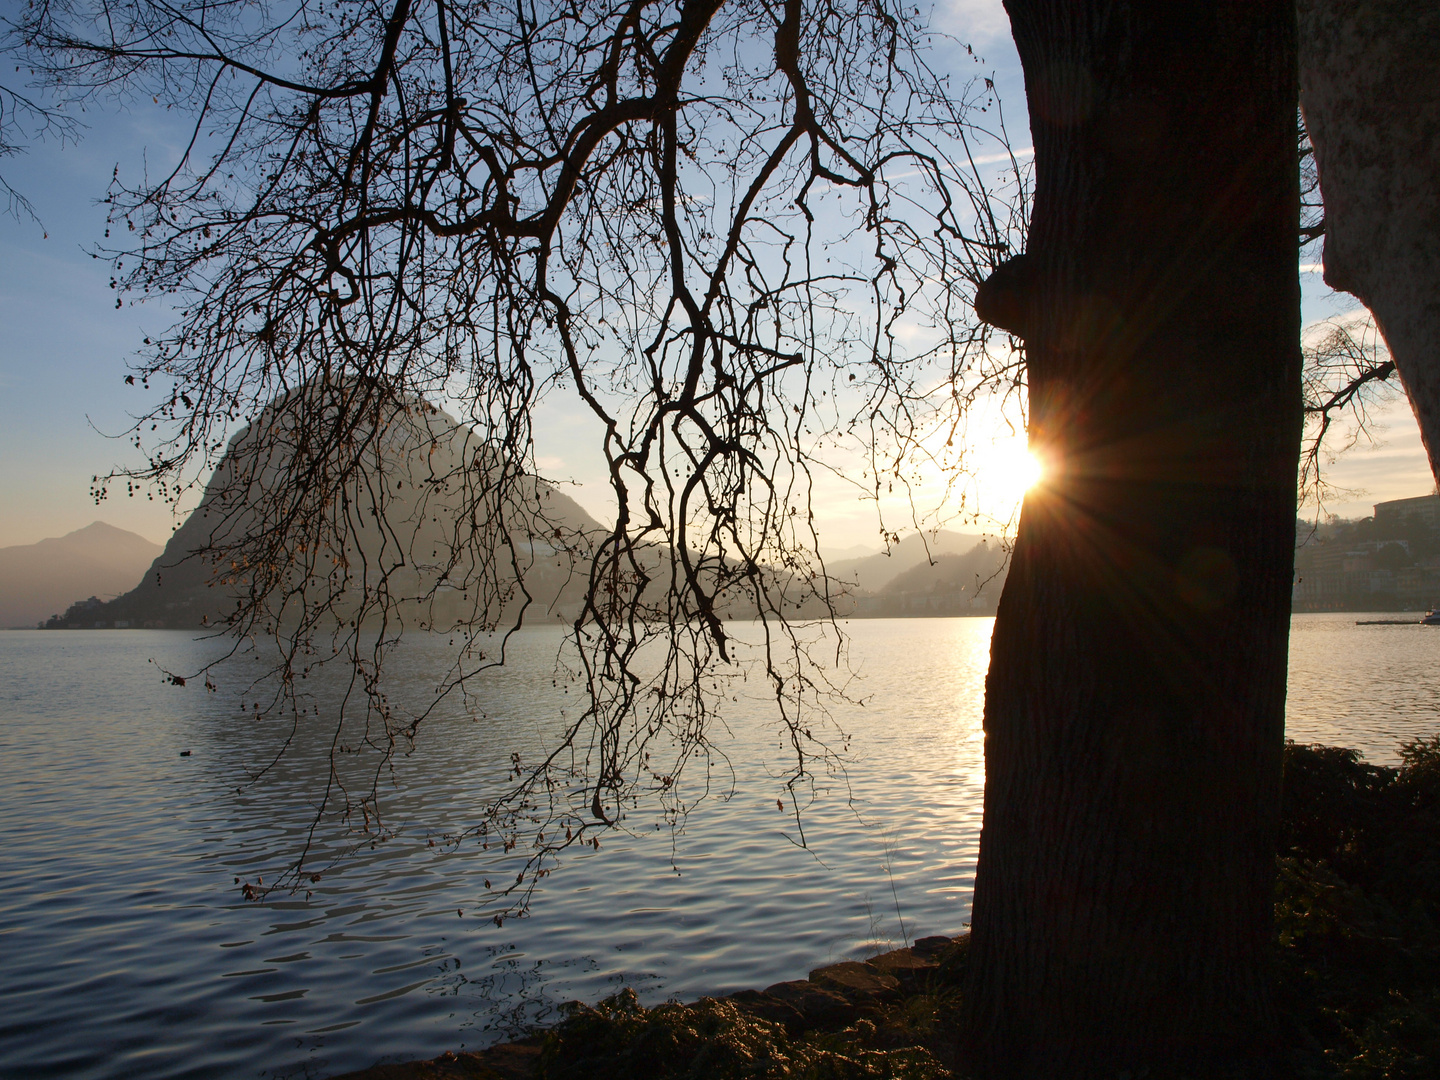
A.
x: 127, y: 951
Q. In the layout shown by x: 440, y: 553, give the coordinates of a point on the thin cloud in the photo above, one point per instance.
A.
x: 979, y: 22
x: 991, y: 159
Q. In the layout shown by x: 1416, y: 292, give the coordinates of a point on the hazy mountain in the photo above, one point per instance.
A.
x: 950, y: 584
x: 414, y: 515
x: 39, y: 580
x: 854, y: 551
x: 417, y: 520
x: 979, y: 571
x: 405, y: 517
x: 871, y: 573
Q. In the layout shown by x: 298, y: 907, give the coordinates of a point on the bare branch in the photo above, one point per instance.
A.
x: 745, y: 237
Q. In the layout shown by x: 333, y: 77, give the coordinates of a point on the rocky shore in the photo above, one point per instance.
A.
x: 873, y: 1001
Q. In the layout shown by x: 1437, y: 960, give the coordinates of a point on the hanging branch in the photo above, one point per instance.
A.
x: 713, y: 224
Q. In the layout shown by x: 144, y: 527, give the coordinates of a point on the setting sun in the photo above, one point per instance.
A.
x: 1023, y: 470
x: 1004, y: 471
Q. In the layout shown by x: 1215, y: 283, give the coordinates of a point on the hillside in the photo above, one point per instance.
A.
x: 401, y: 501
x: 38, y: 580
x: 871, y: 573
x: 951, y: 584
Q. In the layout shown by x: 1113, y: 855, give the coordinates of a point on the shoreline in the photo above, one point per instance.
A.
x: 832, y: 1000
x: 1356, y: 942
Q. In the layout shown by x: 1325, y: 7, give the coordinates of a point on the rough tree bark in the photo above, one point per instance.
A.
x: 1370, y: 91
x: 1135, y: 703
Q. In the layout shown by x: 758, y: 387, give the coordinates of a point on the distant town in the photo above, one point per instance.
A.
x: 1388, y: 562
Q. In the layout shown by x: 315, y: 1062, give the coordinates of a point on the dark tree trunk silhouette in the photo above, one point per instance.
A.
x: 1135, y: 703
x: 1370, y: 90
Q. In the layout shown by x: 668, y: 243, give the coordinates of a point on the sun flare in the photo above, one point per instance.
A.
x: 1025, y: 471
x: 1005, y: 471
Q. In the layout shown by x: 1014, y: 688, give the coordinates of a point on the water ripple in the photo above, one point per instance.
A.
x: 127, y: 951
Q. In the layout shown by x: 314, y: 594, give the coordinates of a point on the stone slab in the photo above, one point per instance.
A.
x: 856, y: 981
x: 930, y: 946
x: 768, y: 1007
x: 910, y: 968
x: 817, y: 1005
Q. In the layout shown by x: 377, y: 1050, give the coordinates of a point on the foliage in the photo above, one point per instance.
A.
x: 1358, y: 911
x: 1420, y: 540
x: 714, y: 1040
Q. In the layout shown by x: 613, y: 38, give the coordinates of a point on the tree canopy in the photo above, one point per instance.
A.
x: 743, y: 237
x: 748, y: 238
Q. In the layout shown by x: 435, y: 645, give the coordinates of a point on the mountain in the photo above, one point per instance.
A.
x: 397, y: 493
x: 854, y: 551
x: 337, y: 498
x: 871, y: 573
x: 38, y: 580
x: 950, y: 584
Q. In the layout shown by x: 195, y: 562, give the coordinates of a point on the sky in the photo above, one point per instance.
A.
x: 64, y: 345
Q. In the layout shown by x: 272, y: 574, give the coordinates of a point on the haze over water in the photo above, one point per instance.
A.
x: 126, y: 949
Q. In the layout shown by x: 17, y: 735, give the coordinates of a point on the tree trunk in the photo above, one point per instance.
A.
x: 1134, y: 710
x: 1370, y: 89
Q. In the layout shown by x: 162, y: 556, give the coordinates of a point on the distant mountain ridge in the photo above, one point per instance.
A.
x: 41, y: 579
x: 944, y: 573
x: 406, y: 509
x: 872, y: 573
x: 950, y: 584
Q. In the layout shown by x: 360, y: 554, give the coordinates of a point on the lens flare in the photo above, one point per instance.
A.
x: 1029, y: 471
x: 1008, y: 470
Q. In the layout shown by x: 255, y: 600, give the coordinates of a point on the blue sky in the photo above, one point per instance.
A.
x: 64, y: 345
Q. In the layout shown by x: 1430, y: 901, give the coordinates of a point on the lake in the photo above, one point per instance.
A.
x: 126, y: 949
